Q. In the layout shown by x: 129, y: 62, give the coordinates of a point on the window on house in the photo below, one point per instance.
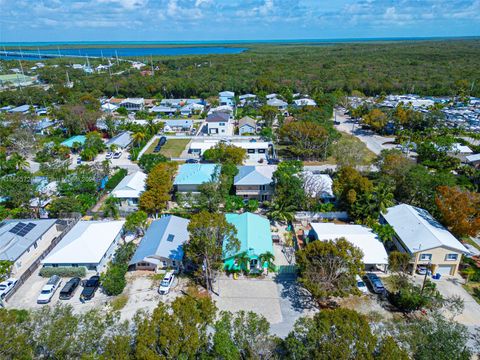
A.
x: 262, y: 187
x: 451, y: 257
x: 35, y: 245
x: 174, y: 263
x: 261, y: 151
x: 425, y: 257
x: 221, y: 124
x: 251, y: 151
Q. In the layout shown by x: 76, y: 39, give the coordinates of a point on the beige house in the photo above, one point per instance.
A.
x: 425, y: 239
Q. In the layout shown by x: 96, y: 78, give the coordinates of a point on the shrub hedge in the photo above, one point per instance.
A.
x: 115, y: 179
x: 64, y: 271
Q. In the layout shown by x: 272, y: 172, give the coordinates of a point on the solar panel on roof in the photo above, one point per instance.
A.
x: 22, y: 229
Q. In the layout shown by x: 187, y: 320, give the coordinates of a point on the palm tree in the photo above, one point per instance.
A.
x: 242, y: 260
x: 138, y: 137
x: 19, y: 162
x: 110, y: 207
x: 281, y: 212
x: 152, y: 128
x: 268, y: 258
x: 383, y: 198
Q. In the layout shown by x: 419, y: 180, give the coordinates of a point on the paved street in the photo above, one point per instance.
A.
x: 375, y: 143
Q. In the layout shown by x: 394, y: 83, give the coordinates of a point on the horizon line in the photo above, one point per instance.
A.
x: 353, y: 39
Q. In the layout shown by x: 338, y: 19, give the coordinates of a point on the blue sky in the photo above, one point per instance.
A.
x: 172, y: 20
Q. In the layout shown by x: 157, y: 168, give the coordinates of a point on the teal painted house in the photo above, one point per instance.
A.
x: 253, y: 232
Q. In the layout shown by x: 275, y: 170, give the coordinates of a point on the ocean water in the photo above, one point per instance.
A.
x: 142, y: 52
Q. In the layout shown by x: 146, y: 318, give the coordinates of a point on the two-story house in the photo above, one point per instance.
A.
x: 219, y: 123
x: 424, y: 239
x: 254, y: 182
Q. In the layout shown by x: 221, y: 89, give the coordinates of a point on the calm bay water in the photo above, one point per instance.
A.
x: 120, y: 51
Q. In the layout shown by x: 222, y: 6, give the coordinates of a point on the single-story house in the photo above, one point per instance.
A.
x: 43, y: 125
x: 226, y: 94
x: 121, y: 141
x: 257, y: 151
x: 22, y: 109
x: 247, y: 125
x: 318, y: 186
x: 374, y: 254
x: 89, y: 243
x: 279, y: 104
x: 460, y: 151
x: 74, y: 139
x: 418, y: 234
x: 473, y: 160
x: 165, y: 110
x: 190, y: 109
x: 133, y: 104
x: 178, y: 125
x: 162, y: 245
x: 22, y: 241
x: 304, y: 102
x: 191, y: 176
x: 255, y: 237
x: 254, y: 182
x: 129, y: 189
x: 108, y: 107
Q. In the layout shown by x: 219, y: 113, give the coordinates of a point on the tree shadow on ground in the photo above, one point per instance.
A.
x: 291, y: 290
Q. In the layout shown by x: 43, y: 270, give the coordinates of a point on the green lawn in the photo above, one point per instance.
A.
x: 173, y: 147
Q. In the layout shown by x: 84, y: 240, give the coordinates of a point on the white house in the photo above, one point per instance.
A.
x: 219, y: 123
x: 304, y: 102
x: 23, y: 241
x: 277, y: 103
x: 129, y: 189
x: 89, y: 243
x: 374, y: 255
x: 318, y: 186
x: 257, y: 151
x: 121, y: 141
x: 133, y: 104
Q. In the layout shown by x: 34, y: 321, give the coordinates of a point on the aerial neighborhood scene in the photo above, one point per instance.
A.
x: 228, y: 180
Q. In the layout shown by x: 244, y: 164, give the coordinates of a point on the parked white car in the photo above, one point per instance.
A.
x: 7, y: 286
x: 49, y: 289
x: 361, y: 285
x: 109, y: 155
x: 166, y: 283
x: 117, y: 155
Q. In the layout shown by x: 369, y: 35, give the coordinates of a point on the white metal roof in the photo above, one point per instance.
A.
x: 419, y: 231
x: 86, y: 243
x: 473, y: 158
x: 360, y: 236
x: 131, y: 186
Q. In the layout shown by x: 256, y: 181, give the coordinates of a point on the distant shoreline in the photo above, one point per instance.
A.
x: 215, y: 43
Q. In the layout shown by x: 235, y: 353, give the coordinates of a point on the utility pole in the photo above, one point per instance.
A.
x: 425, y: 277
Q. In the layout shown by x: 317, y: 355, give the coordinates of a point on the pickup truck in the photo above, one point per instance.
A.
x: 91, y: 285
x: 49, y: 289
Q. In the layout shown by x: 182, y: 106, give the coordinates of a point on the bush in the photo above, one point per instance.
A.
x: 113, y: 281
x: 115, y: 179
x: 63, y: 271
x: 148, y: 161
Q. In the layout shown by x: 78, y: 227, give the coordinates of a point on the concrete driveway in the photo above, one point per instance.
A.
x: 278, y: 298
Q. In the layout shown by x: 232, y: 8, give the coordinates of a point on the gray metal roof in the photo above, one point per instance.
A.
x: 122, y: 140
x: 14, y: 244
x: 254, y: 175
x: 164, y: 239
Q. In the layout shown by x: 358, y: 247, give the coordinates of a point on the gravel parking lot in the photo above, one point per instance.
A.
x: 26, y: 296
x: 278, y: 298
x: 141, y: 290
